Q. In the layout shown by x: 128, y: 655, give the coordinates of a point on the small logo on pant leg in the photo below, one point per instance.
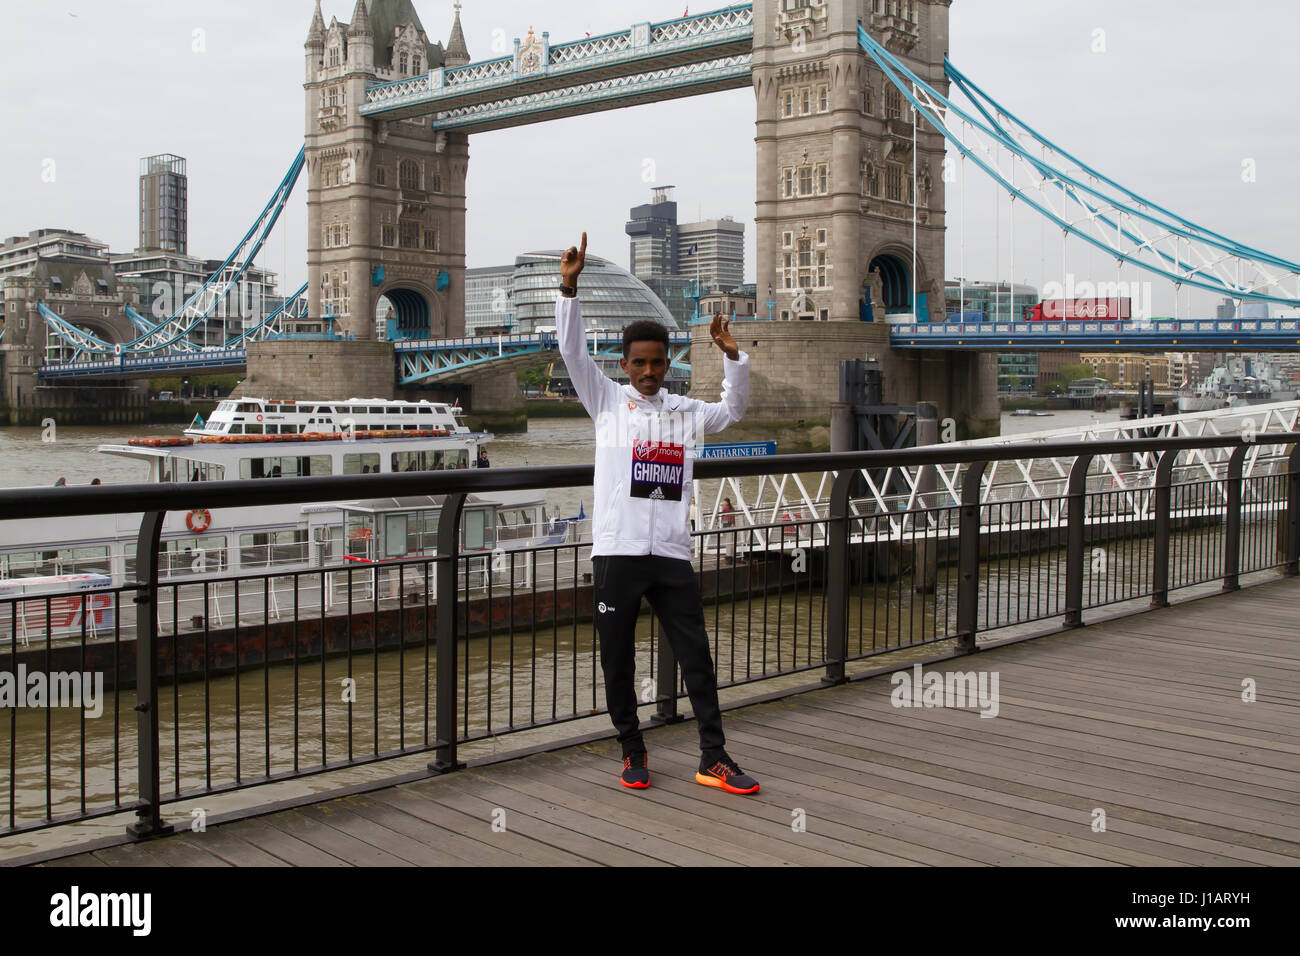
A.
x: 603, y: 607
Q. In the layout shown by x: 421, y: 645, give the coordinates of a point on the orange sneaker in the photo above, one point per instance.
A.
x: 724, y: 774
x: 636, y: 771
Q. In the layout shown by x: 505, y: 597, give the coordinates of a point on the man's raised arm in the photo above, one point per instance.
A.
x: 715, y: 416
x: 591, y: 384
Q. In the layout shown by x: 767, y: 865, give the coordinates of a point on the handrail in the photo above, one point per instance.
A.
x: 45, y: 502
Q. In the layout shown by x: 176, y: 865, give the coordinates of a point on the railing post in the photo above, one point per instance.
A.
x: 447, y: 617
x: 1293, y: 512
x: 1076, y: 518
x: 149, y: 822
x: 837, y: 577
x: 1162, y: 500
x: 968, y: 558
x: 1232, y: 542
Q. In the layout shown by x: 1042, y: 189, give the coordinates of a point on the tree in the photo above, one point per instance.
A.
x: 1070, y: 374
x: 535, y: 377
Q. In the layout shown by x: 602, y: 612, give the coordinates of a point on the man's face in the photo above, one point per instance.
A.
x: 646, y: 365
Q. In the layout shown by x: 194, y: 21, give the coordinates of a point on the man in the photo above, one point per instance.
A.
x: 641, y: 546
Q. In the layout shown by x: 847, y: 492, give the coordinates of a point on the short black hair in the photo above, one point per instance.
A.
x: 644, y: 331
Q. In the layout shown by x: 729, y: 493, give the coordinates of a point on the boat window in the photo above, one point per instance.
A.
x: 252, y: 429
x: 476, y: 531
x: 376, y: 409
x: 411, y: 428
x: 205, y: 554
x: 248, y: 407
x: 189, y: 469
x: 261, y: 549
x: 393, y: 410
x: 237, y: 429
x: 285, y: 467
x: 425, y: 410
x: 273, y: 429
x: 361, y: 464
x: 418, y: 461
x: 395, y: 536
x: 326, y: 410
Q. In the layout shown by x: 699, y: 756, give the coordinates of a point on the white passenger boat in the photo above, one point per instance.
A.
x: 259, y: 440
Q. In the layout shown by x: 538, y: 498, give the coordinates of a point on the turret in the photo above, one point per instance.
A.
x: 361, y: 39
x: 457, y: 52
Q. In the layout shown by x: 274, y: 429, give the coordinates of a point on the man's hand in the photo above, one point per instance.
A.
x: 721, y: 332
x: 571, y: 264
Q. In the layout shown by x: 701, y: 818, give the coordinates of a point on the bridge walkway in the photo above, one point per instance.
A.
x: 1140, y: 717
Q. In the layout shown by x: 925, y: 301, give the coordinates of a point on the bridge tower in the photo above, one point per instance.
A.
x: 837, y: 242
x: 385, y: 198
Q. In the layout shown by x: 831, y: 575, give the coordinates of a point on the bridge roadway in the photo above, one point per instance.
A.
x: 1139, y: 716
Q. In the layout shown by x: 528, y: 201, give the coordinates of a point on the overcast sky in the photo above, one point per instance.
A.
x: 1185, y: 91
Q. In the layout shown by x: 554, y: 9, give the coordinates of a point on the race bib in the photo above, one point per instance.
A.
x: 657, y: 469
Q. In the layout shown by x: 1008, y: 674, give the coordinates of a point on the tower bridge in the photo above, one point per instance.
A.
x: 854, y: 118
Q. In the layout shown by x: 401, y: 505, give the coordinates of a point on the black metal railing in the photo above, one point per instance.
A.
x: 239, y: 680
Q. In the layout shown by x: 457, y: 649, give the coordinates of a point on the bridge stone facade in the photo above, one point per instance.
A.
x: 385, y: 198
x: 836, y: 181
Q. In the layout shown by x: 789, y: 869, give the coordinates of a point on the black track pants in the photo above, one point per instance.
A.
x: 669, y: 585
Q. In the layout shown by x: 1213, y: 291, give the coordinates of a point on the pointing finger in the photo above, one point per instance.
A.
x: 583, y: 250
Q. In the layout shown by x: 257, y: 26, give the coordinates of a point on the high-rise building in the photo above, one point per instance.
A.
x: 712, y: 251
x: 653, y: 231
x: 164, y: 202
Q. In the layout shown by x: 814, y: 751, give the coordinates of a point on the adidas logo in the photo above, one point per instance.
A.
x: 657, y: 494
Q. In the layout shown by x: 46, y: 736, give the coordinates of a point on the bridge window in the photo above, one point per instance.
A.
x: 381, y: 176
x: 894, y: 182
x: 823, y: 99
x: 805, y: 101
x: 823, y: 179
x: 409, y: 174
x: 787, y: 103
x: 334, y: 56
x: 408, y: 235
x: 805, y: 181
x: 437, y: 183
x: 788, y: 184
x: 821, y: 237
x: 402, y: 63
x: 387, y: 236
x: 893, y: 102
x: 431, y: 240
x: 415, y: 64
x: 787, y: 239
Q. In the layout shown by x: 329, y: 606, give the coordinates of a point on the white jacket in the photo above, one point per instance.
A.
x: 643, y: 447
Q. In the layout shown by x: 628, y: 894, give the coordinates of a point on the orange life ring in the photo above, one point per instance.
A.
x: 199, y: 520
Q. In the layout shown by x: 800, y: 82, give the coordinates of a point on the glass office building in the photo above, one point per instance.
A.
x: 611, y: 297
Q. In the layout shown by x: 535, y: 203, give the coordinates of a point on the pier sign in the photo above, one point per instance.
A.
x: 724, y: 452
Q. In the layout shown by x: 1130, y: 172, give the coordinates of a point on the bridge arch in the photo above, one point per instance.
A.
x: 409, y: 310
x: 889, y: 280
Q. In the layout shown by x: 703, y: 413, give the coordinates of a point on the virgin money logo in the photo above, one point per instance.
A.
x: 659, y: 451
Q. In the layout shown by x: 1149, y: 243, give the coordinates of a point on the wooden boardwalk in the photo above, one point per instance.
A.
x: 1141, y: 718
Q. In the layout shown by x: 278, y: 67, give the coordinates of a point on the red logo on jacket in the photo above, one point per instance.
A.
x: 659, y: 451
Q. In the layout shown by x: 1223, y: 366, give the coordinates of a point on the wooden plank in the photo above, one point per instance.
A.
x: 469, y: 798
x: 775, y: 837
x: 339, y: 815
x: 888, y: 731
x: 618, y: 805
x: 467, y: 837
x: 224, y: 841
x: 791, y: 791
x: 299, y: 823
x: 1217, y: 842
x: 1010, y: 773
x: 518, y: 797
x: 283, y: 845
